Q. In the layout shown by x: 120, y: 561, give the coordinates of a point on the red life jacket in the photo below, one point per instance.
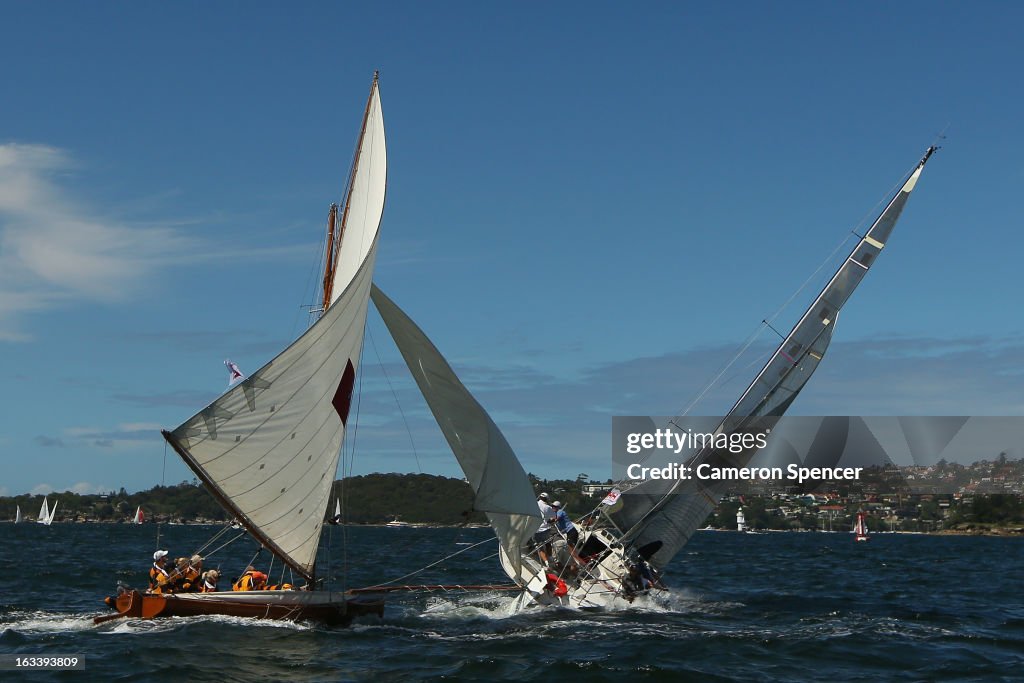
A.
x: 556, y: 585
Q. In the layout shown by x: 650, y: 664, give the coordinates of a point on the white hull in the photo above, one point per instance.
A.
x: 599, y: 585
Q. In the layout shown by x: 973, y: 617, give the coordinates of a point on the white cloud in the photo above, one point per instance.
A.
x: 81, y: 488
x: 127, y: 436
x: 55, y: 249
x: 84, y: 487
x: 140, y: 427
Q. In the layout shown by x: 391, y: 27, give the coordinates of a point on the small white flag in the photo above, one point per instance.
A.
x: 235, y: 374
x: 612, y: 498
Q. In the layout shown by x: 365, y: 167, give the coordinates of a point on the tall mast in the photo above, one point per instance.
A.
x: 331, y: 264
x: 335, y: 242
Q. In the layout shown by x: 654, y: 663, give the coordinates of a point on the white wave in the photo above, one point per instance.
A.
x: 164, y: 624
x: 44, y: 622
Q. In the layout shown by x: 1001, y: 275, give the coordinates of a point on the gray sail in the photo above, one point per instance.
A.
x: 501, y: 487
x: 656, y: 516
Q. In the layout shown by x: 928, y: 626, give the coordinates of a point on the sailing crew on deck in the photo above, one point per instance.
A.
x: 209, y: 582
x: 542, y: 539
x: 251, y: 580
x: 565, y: 525
x: 158, y: 574
x: 190, y: 574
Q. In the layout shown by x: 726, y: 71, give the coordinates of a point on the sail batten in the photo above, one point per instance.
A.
x: 268, y: 448
x: 670, y: 516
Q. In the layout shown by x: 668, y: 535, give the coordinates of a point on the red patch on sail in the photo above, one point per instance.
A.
x: 342, y: 400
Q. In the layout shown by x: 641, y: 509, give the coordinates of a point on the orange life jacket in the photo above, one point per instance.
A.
x: 157, y: 577
x: 250, y: 581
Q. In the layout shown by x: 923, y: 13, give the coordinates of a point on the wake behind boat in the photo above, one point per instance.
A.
x: 268, y: 448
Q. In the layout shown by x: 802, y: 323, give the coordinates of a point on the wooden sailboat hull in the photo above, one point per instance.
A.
x: 321, y: 606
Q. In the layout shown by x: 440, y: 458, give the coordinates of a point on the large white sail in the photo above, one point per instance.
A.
x: 17, y: 515
x: 268, y: 448
x: 44, y: 512
x: 501, y: 487
x: 662, y: 522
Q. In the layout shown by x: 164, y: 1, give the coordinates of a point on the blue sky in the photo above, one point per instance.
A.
x: 590, y: 207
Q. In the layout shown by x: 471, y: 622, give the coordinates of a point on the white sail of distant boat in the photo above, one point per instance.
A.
x: 268, y: 448
x: 45, y: 515
x: 624, y: 555
x: 139, y: 516
x: 17, y: 515
x: 336, y: 519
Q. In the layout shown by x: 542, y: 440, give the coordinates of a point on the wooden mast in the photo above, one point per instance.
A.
x: 331, y: 265
x: 334, y: 243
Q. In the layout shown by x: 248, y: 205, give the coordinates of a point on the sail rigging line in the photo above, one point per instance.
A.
x: 258, y: 551
x: 760, y: 328
x: 431, y: 565
x: 873, y: 211
x: 200, y: 549
x: 163, y: 475
x: 398, y: 403
x: 224, y: 545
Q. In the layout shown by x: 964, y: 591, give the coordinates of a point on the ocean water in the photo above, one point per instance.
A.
x: 769, y: 607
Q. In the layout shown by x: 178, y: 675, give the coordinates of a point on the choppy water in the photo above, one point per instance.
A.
x: 771, y: 607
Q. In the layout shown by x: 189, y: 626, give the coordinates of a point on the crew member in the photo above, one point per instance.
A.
x: 567, y: 529
x: 158, y: 574
x: 251, y: 580
x: 542, y: 539
x: 209, y: 582
x: 190, y: 574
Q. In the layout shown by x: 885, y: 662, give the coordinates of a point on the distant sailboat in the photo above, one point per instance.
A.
x: 17, y: 515
x: 861, y: 527
x: 336, y: 519
x: 46, y: 514
x: 397, y: 523
x: 139, y: 516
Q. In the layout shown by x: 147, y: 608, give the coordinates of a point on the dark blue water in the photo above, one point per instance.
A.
x: 771, y: 607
